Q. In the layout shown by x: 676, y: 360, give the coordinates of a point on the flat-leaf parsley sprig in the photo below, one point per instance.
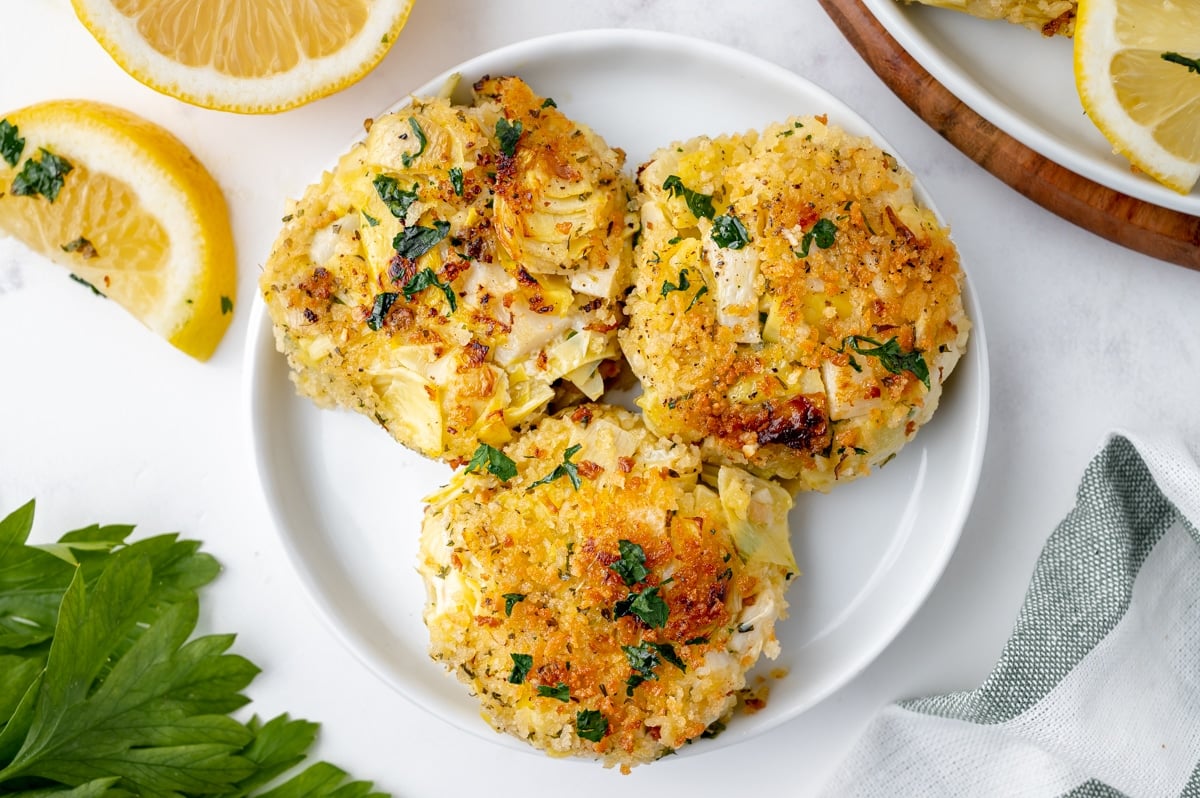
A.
x: 104, y: 690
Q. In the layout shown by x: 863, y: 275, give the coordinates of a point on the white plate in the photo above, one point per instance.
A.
x: 1024, y: 84
x: 346, y: 498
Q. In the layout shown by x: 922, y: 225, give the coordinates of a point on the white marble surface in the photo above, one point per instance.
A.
x: 101, y: 422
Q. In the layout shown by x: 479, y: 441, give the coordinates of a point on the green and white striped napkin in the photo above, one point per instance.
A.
x: 1097, y: 692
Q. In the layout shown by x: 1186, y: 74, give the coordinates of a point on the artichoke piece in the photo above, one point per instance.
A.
x: 409, y: 405
x: 757, y: 511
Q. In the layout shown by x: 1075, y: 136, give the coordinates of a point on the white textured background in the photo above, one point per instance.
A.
x: 100, y: 422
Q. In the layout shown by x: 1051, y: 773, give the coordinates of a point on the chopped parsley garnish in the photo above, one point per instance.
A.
x: 226, y: 305
x: 1192, y: 64
x: 11, y: 144
x: 560, y: 691
x: 82, y: 247
x: 682, y: 285
x: 590, y: 725
x: 667, y: 652
x: 379, y: 311
x: 823, y: 233
x: 511, y: 600
x: 41, y: 176
x: 82, y: 281
x: 508, y: 133
x: 696, y: 641
x: 395, y: 198
x: 632, y: 565
x: 522, y: 664
x: 371, y: 220
x: 427, y: 279
x: 495, y: 462
x: 456, y: 180
x: 413, y: 242
x: 407, y: 159
x: 564, y: 469
x: 549, y: 103
x: 699, y: 204
x: 643, y: 659
x: 891, y: 356
x: 729, y: 233
x: 647, y: 605
x: 703, y: 290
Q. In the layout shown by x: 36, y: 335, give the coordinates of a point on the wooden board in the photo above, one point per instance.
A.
x: 1159, y: 232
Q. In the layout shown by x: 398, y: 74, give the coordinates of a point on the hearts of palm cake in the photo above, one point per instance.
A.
x: 795, y: 309
x: 601, y: 592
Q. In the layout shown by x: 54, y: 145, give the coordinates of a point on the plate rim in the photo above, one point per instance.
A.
x: 890, y: 14
x: 259, y: 347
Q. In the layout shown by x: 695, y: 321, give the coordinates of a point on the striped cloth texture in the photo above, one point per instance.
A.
x: 1097, y: 691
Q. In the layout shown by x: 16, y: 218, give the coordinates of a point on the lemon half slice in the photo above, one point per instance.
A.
x: 1138, y: 78
x: 128, y: 209
x: 249, y: 56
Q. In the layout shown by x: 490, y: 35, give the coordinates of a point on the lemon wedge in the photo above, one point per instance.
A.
x: 126, y: 208
x: 249, y: 56
x: 1138, y: 76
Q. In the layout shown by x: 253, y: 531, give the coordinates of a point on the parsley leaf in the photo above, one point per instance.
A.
x: 643, y: 659
x: 699, y: 204
x: 703, y: 290
x: 413, y: 242
x: 823, y: 233
x: 395, y: 198
x: 508, y: 134
x: 11, y: 144
x: 226, y: 305
x: 647, y: 605
x: 495, y: 462
x: 891, y: 356
x: 1192, y: 64
x: 103, y: 689
x: 41, y: 176
x: 667, y: 652
x: 728, y: 232
x: 456, y: 180
x: 82, y: 281
x: 682, y: 285
x: 564, y: 469
x: 81, y: 246
x: 522, y: 664
x: 406, y: 158
x: 560, y: 691
x: 510, y: 601
x: 590, y: 725
x: 383, y: 303
x: 427, y: 279
x: 549, y: 103
x: 371, y: 220
x: 632, y: 565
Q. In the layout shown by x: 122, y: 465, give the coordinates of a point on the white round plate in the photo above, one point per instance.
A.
x: 1024, y: 84
x: 347, y: 498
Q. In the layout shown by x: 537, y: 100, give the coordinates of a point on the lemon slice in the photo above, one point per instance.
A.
x: 1138, y: 77
x: 249, y: 56
x: 127, y: 208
